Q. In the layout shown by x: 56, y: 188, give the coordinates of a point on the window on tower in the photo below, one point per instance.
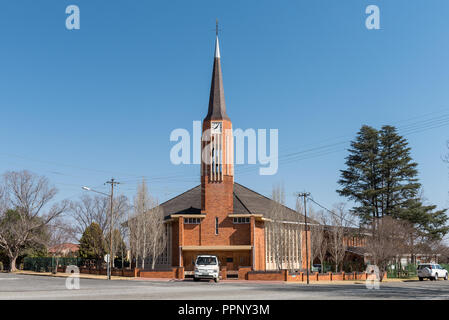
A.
x: 216, y: 225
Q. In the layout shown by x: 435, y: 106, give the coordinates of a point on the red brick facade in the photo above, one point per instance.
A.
x: 211, y: 229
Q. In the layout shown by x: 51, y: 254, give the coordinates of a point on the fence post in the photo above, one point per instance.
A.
x: 285, y: 272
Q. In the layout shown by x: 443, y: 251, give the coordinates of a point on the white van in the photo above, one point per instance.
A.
x: 206, y: 267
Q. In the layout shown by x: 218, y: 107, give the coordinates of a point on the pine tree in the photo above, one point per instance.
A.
x: 398, y: 172
x: 428, y: 222
x: 381, y: 178
x: 361, y: 181
x: 92, y: 243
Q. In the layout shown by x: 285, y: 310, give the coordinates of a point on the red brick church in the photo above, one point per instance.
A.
x: 220, y: 216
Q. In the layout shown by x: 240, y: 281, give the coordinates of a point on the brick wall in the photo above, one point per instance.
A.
x: 266, y: 275
x: 243, y: 273
x: 192, y: 234
x: 175, y: 243
x: 115, y: 272
x: 171, y: 273
x: 259, y: 246
x: 284, y: 275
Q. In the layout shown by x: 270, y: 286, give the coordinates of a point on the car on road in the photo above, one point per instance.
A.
x: 316, y: 268
x: 206, y: 267
x: 431, y: 271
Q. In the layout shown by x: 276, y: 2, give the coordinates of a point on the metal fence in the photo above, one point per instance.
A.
x: 399, y: 271
x: 48, y: 264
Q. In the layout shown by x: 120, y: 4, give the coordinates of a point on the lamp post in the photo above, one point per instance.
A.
x: 112, y: 182
x: 305, y: 195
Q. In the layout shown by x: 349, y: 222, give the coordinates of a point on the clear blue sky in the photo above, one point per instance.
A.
x: 82, y: 106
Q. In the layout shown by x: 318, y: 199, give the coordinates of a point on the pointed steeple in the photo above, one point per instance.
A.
x: 217, y: 49
x: 217, y: 106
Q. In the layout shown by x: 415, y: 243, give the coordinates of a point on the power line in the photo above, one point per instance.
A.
x: 330, y: 211
x: 416, y: 127
x: 319, y: 151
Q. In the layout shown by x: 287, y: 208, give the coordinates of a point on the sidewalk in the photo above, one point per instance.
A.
x: 65, y: 275
x: 103, y: 277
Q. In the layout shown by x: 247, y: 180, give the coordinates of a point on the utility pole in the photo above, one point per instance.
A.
x: 305, y: 195
x: 112, y: 182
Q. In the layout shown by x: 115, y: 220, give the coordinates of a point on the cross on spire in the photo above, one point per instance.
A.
x: 216, y: 27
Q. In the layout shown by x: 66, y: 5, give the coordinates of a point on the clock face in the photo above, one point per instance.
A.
x: 216, y: 127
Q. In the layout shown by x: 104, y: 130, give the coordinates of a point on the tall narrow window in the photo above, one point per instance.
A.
x: 216, y: 225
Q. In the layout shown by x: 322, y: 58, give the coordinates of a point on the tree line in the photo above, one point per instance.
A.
x: 389, y: 216
x: 381, y: 179
x: 31, y: 222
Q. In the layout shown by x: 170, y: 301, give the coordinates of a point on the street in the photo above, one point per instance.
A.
x: 20, y: 286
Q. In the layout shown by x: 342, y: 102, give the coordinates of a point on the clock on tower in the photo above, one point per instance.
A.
x: 217, y: 169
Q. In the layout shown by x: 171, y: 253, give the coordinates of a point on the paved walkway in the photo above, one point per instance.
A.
x: 103, y: 277
x: 26, y: 286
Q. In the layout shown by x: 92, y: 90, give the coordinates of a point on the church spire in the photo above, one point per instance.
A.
x: 217, y: 106
x: 217, y: 49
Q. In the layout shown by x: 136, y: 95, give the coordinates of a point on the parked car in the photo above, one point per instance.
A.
x: 206, y: 267
x: 431, y: 271
x: 316, y: 268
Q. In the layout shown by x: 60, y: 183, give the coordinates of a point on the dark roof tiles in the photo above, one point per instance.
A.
x: 246, y: 201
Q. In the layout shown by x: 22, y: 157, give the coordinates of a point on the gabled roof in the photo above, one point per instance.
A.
x: 361, y: 251
x: 246, y: 201
x: 70, y: 247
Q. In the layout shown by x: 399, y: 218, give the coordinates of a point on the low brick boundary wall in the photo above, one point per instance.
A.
x: 170, y: 273
x: 244, y: 273
x: 158, y: 273
x: 285, y: 275
x: 266, y: 275
x: 115, y: 272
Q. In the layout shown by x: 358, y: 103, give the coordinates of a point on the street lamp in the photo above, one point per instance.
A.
x: 89, y: 189
x: 109, y: 267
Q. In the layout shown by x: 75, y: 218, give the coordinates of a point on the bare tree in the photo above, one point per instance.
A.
x: 123, y: 229
x: 386, y: 242
x: 135, y: 233
x: 147, y: 236
x: 90, y: 209
x: 60, y: 232
x: 28, y: 195
x: 156, y: 233
x: 337, y: 230
x: 277, y: 241
x: 120, y: 214
x: 319, y: 240
x: 97, y: 209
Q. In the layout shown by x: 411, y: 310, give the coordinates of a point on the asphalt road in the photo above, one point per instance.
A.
x: 20, y: 286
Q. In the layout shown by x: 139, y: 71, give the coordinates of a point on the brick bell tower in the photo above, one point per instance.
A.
x: 217, y: 168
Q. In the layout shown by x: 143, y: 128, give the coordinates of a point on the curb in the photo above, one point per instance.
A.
x: 66, y: 275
